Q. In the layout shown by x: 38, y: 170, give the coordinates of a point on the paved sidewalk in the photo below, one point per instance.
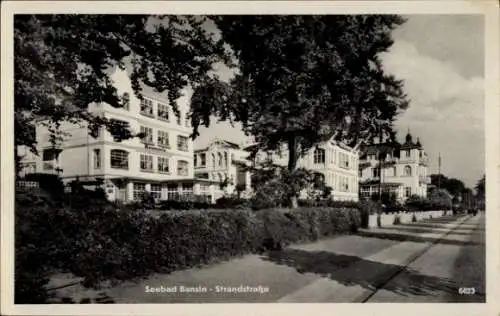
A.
x: 341, y: 269
x: 457, y: 261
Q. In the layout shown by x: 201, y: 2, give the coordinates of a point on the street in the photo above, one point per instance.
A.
x: 426, y: 261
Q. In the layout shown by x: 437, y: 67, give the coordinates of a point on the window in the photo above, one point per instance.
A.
x: 407, y: 171
x: 186, y: 121
x: 344, y: 160
x: 172, y: 191
x: 182, y: 168
x: 407, y: 191
x: 213, y: 160
x: 148, y: 135
x: 178, y: 119
x: 49, y: 155
x: 203, y: 175
x: 139, y: 190
x: 226, y: 162
x: 119, y: 159
x: 182, y: 143
x: 97, y: 159
x: 95, y: 134
x: 147, y: 107
x: 163, y: 112
x: 204, y: 189
x: 120, y: 124
x: 220, y: 159
x: 407, y: 153
x: 376, y: 172
x: 319, y: 156
x: 394, y: 172
x: 146, y: 163
x: 195, y: 161
x: 156, y: 191
x: 187, y: 189
x: 48, y: 166
x: 126, y: 101
x: 163, y: 165
x: 203, y: 160
x: 163, y: 139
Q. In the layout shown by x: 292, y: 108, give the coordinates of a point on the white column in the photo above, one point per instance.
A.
x: 196, y: 188
x: 130, y: 191
x: 248, y: 181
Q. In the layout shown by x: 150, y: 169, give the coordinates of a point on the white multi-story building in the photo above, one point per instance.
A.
x: 224, y: 162
x: 398, y: 169
x: 161, y: 162
x: 337, y: 162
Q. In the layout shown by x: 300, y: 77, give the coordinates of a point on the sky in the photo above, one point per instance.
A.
x: 441, y: 60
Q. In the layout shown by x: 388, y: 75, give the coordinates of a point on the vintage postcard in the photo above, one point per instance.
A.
x: 257, y: 157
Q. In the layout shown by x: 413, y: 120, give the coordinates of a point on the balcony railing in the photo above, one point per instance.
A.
x: 424, y: 180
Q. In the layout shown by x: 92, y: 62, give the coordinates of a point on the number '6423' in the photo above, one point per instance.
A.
x: 467, y: 291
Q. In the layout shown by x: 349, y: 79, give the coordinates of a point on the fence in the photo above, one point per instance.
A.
x: 27, y: 185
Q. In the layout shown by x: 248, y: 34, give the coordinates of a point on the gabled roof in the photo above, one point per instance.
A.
x: 222, y: 142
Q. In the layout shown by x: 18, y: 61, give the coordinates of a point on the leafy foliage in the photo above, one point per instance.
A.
x: 436, y: 202
x: 452, y: 185
x: 99, y: 242
x: 303, y: 79
x: 480, y: 187
x: 62, y: 65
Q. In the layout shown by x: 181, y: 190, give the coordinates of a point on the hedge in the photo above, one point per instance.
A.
x: 102, y: 242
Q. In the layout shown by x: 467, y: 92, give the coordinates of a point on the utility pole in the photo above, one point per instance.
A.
x: 439, y: 171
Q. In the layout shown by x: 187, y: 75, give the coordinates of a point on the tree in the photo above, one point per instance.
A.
x: 61, y: 63
x: 452, y: 185
x: 480, y: 187
x: 304, y: 79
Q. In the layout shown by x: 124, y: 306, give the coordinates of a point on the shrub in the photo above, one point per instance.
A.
x: 416, y: 203
x: 101, y: 242
x: 51, y: 183
x: 232, y: 203
x: 183, y: 205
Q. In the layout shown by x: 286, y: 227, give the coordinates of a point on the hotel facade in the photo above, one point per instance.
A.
x: 226, y: 163
x: 160, y: 163
x: 338, y: 163
x: 398, y: 169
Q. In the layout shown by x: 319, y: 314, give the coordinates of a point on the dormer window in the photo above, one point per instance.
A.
x: 147, y: 107
x: 163, y: 112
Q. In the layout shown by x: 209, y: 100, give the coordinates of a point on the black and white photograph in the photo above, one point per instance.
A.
x: 318, y: 157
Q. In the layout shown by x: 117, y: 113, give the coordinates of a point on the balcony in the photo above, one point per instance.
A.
x: 424, y: 180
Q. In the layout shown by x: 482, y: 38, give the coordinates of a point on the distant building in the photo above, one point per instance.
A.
x: 399, y: 169
x: 338, y: 163
x: 160, y: 163
x: 225, y: 163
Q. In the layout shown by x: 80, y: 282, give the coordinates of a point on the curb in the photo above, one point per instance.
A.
x: 366, y: 296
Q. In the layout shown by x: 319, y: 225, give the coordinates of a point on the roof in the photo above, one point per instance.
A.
x: 374, y: 149
x: 219, y: 141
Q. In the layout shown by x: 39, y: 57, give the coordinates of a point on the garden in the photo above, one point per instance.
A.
x: 84, y: 234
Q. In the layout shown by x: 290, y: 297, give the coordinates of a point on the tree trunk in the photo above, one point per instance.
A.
x: 292, y: 164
